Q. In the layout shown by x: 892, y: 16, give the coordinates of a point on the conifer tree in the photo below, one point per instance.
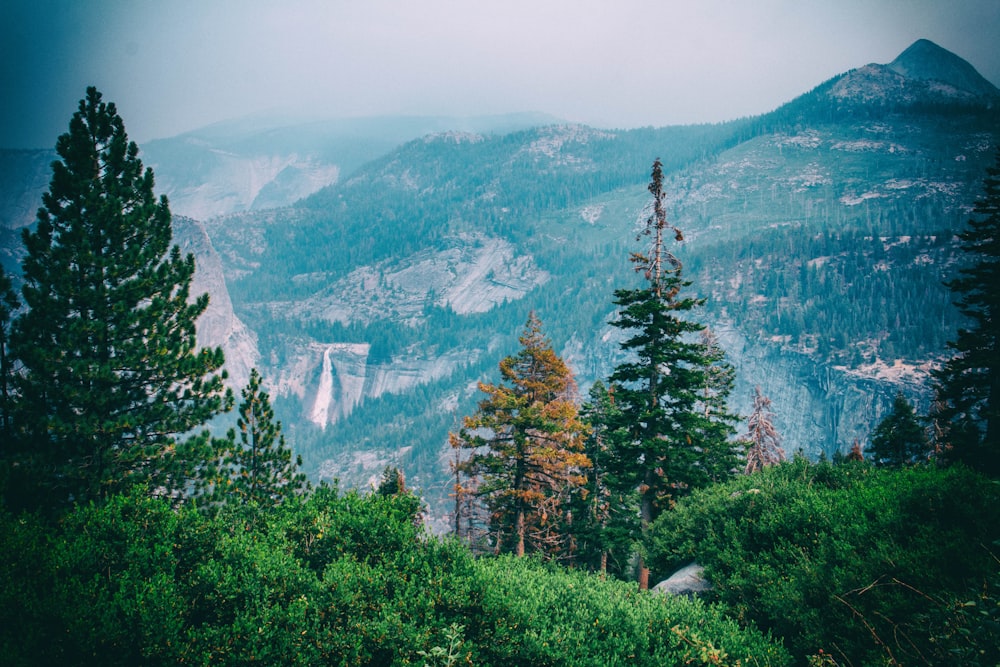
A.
x: 526, y: 448
x: 967, y: 408
x: 110, y: 378
x: 899, y: 438
x: 260, y: 468
x: 671, y: 403
x: 604, y: 509
x: 856, y: 453
x: 9, y: 304
x: 764, y: 442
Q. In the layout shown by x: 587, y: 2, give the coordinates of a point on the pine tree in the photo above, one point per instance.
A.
x: 526, y: 449
x: 968, y: 385
x: 9, y: 304
x: 259, y: 468
x: 605, y: 513
x: 392, y: 483
x: 856, y: 453
x: 672, y: 389
x: 764, y: 442
x: 899, y: 439
x: 110, y: 376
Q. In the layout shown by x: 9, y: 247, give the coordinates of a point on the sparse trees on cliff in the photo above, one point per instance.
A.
x: 525, y: 445
x: 110, y: 379
x: 967, y: 410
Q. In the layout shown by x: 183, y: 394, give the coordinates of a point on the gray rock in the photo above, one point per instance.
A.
x: 689, y: 580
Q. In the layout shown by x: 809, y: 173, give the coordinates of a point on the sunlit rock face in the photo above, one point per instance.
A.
x: 473, y: 274
x: 218, y: 326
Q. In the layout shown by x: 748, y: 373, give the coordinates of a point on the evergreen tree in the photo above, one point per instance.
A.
x: 899, y: 438
x: 526, y: 444
x: 763, y: 441
x: 110, y: 376
x: 9, y: 304
x: 604, y: 512
x: 671, y: 391
x: 260, y: 468
x: 393, y: 482
x: 968, y: 385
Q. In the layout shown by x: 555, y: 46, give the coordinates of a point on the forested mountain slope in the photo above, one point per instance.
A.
x: 819, y: 234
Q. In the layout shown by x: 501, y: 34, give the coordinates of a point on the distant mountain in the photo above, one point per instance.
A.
x: 263, y: 162
x: 819, y: 234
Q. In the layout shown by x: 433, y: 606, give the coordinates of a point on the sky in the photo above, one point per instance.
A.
x: 172, y: 66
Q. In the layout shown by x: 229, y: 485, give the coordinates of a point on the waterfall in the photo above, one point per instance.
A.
x: 324, y: 394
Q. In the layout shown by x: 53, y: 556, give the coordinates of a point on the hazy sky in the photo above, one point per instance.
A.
x: 175, y: 65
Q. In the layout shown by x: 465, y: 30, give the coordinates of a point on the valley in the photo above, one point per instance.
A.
x: 374, y: 275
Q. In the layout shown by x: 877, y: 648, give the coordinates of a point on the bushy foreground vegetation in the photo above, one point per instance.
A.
x: 868, y: 565
x: 337, y: 579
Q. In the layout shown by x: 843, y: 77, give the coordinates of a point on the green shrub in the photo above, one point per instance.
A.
x: 842, y: 558
x: 333, y: 580
x: 541, y: 615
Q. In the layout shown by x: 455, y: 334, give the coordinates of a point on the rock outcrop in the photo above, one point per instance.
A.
x: 689, y: 580
x: 218, y: 326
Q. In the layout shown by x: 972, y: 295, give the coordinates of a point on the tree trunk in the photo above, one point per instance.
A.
x: 520, y: 533
x: 643, y: 574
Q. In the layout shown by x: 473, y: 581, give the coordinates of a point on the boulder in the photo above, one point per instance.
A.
x: 689, y: 580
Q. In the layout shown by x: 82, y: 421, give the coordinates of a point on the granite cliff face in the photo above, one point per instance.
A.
x: 218, y: 326
x: 472, y: 273
x: 243, y: 182
x: 820, y: 409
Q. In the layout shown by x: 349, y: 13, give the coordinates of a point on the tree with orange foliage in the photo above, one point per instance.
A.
x: 525, y: 445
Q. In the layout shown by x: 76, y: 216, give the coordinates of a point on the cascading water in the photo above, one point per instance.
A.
x: 320, y: 411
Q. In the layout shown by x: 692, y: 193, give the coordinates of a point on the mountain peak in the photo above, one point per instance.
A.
x: 926, y: 61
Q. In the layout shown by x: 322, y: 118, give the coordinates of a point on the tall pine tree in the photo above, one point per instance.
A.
x: 672, y: 389
x: 967, y: 409
x: 604, y: 509
x: 526, y: 449
x: 110, y: 376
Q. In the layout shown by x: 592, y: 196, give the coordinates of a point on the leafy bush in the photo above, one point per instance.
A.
x: 846, y: 558
x: 335, y: 579
x: 541, y: 615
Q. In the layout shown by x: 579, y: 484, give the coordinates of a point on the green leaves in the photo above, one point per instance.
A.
x: 847, y: 557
